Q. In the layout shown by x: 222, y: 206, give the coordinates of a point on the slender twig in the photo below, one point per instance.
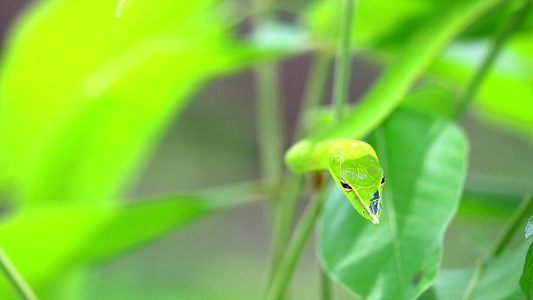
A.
x: 497, y: 45
x: 270, y: 134
x: 269, y: 112
x: 14, y: 278
x: 523, y: 212
x: 342, y: 68
x: 298, y: 241
x: 315, y: 90
x: 325, y: 284
x: 480, y: 264
x: 283, y: 219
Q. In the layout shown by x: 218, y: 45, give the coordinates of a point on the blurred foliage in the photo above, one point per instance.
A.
x: 496, y: 279
x: 526, y: 280
x: 90, y: 126
x: 86, y: 96
x: 87, y: 234
x: 504, y: 97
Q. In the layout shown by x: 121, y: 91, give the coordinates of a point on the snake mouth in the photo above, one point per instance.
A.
x: 374, y: 219
x: 374, y: 208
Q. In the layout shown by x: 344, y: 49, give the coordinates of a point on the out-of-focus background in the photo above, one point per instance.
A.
x: 213, y: 142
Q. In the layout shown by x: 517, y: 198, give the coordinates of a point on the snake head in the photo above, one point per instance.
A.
x: 357, y: 171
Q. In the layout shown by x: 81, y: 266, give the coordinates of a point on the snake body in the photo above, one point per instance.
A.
x: 354, y: 166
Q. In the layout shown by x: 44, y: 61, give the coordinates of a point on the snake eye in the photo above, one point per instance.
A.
x: 382, y: 181
x: 346, y: 187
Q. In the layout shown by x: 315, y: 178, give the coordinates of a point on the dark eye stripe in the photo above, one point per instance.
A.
x: 346, y: 186
x: 383, y: 179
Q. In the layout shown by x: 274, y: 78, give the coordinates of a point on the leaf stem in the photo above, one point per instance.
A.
x: 283, y: 219
x: 497, y: 45
x: 14, y: 278
x: 315, y: 89
x: 523, y: 212
x: 288, y: 263
x: 342, y: 68
x: 326, y: 285
x: 480, y: 264
x: 268, y: 113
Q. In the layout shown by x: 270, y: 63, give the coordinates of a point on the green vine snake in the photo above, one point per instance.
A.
x: 354, y: 166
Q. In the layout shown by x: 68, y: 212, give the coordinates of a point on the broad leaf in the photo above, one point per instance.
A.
x: 46, y: 242
x: 85, y: 95
x: 424, y: 159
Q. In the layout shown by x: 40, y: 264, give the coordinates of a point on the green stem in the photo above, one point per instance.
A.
x: 298, y: 241
x: 342, y: 69
x: 499, y: 42
x: 270, y: 134
x: 315, y: 90
x: 326, y: 285
x: 480, y: 264
x: 283, y: 218
x: 268, y: 113
x: 523, y: 212
x: 14, y: 278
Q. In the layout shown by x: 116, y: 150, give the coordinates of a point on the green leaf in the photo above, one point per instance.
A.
x: 385, y: 29
x: 526, y: 280
x: 85, y: 95
x: 45, y: 242
x: 422, y: 48
x: 495, y: 279
x: 424, y: 159
x: 375, y: 19
x: 510, y: 79
x: 487, y: 202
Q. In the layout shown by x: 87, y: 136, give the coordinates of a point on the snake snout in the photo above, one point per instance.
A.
x: 375, y: 207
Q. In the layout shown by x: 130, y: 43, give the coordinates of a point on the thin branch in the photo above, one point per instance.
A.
x: 499, y: 42
x: 298, y: 241
x: 269, y: 112
x: 523, y: 212
x: 342, y: 69
x: 14, y: 278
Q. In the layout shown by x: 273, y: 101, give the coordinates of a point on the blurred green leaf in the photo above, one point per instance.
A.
x: 85, y: 95
x: 488, y: 203
x: 381, y: 26
x: 375, y: 19
x: 384, y: 29
x: 526, y: 280
x: 44, y: 242
x: 424, y: 159
x: 433, y: 98
x: 505, y: 94
x: 494, y: 280
x: 422, y: 48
